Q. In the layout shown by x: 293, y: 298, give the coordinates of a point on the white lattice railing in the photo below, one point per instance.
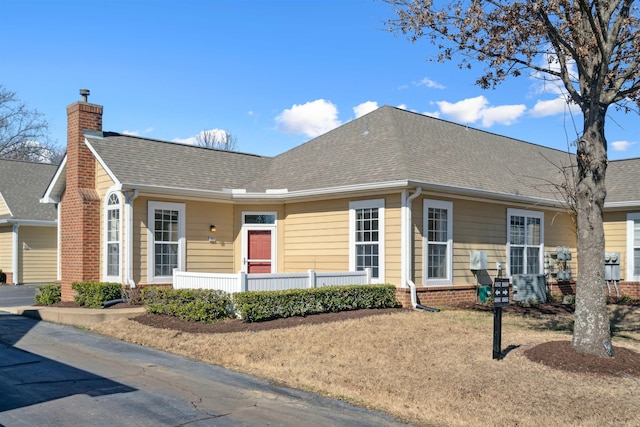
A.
x: 241, y: 281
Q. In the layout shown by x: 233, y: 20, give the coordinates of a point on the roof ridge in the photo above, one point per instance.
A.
x: 106, y: 134
x: 27, y: 161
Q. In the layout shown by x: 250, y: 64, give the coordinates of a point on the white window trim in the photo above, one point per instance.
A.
x: 439, y: 204
x: 105, y: 231
x: 531, y: 214
x: 182, y: 250
x: 274, y: 238
x: 631, y: 217
x: 365, y: 204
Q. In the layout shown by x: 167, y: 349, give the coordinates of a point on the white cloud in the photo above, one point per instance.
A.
x: 220, y: 134
x: 622, y: 145
x: 190, y: 140
x: 364, y: 108
x: 137, y: 132
x: 465, y: 111
x: 549, y: 107
x: 472, y: 110
x: 402, y: 106
x: 548, y: 84
x: 311, y: 119
x: 504, y: 114
x: 430, y: 84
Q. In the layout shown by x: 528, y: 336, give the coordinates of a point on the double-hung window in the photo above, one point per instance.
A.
x: 366, y: 236
x: 633, y: 246
x: 112, y: 238
x: 438, y: 242
x: 166, y: 249
x: 525, y: 237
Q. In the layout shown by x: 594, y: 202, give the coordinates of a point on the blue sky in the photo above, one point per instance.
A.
x: 274, y: 73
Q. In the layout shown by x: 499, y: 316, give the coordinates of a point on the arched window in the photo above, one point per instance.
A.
x: 112, y: 237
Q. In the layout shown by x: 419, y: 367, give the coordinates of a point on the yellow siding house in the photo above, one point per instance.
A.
x: 28, y: 229
x: 435, y: 208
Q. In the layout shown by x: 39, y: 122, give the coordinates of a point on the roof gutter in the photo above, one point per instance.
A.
x: 30, y: 222
x: 472, y: 192
x: 622, y: 205
x: 284, y: 195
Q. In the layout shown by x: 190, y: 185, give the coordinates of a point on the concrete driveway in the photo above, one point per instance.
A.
x: 58, y: 375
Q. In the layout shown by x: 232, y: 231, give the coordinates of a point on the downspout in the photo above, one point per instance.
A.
x: 58, y: 244
x: 407, y: 256
x: 16, y: 254
x: 129, y: 197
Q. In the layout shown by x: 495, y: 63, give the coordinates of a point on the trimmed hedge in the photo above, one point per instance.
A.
x: 48, y: 294
x: 267, y: 305
x: 200, y: 305
x: 93, y: 294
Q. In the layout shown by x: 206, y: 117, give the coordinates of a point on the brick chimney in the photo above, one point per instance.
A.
x: 80, y: 204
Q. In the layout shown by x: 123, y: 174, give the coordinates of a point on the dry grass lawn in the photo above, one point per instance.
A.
x: 425, y: 368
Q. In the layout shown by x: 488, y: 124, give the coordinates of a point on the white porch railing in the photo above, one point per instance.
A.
x: 242, y: 282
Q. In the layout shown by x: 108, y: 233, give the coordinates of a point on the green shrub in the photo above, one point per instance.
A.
x: 265, y: 305
x: 48, y: 294
x: 552, y: 297
x: 93, y: 294
x: 200, y: 305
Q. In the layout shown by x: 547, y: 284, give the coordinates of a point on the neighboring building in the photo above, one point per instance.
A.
x: 413, y: 197
x: 28, y: 229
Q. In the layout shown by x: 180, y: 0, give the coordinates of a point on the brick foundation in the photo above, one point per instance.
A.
x: 8, y: 278
x: 627, y: 289
x: 437, y: 295
x: 453, y: 295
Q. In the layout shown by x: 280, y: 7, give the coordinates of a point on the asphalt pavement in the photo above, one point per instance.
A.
x: 60, y: 375
x: 17, y: 295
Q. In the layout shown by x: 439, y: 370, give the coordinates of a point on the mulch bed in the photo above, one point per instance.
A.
x: 561, y: 355
x: 555, y: 354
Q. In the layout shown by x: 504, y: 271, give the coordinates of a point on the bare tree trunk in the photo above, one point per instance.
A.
x: 591, y: 333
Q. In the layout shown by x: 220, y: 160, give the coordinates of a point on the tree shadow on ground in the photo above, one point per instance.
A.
x: 29, y: 379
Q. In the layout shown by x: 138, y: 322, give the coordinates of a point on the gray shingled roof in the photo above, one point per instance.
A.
x: 390, y: 144
x: 623, y: 181
x: 22, y: 185
x: 386, y: 145
x: 139, y: 161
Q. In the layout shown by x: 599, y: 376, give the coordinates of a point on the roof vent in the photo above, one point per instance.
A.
x: 85, y: 94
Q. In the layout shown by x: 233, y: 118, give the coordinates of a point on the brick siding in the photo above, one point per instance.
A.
x: 453, y: 295
x: 80, y: 203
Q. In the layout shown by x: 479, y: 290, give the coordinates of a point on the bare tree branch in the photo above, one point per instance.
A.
x: 218, y: 139
x: 602, y: 39
x: 24, y: 132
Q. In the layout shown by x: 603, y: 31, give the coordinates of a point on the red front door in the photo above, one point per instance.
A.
x: 259, y: 251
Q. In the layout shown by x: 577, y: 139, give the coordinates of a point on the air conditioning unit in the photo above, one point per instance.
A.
x: 529, y: 287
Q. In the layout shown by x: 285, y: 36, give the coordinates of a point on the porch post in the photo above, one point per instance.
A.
x: 243, y: 283
x: 369, y: 275
x: 312, y: 278
x: 17, y: 252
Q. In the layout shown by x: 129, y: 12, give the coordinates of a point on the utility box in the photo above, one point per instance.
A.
x: 478, y: 260
x: 529, y: 287
x: 612, y: 266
